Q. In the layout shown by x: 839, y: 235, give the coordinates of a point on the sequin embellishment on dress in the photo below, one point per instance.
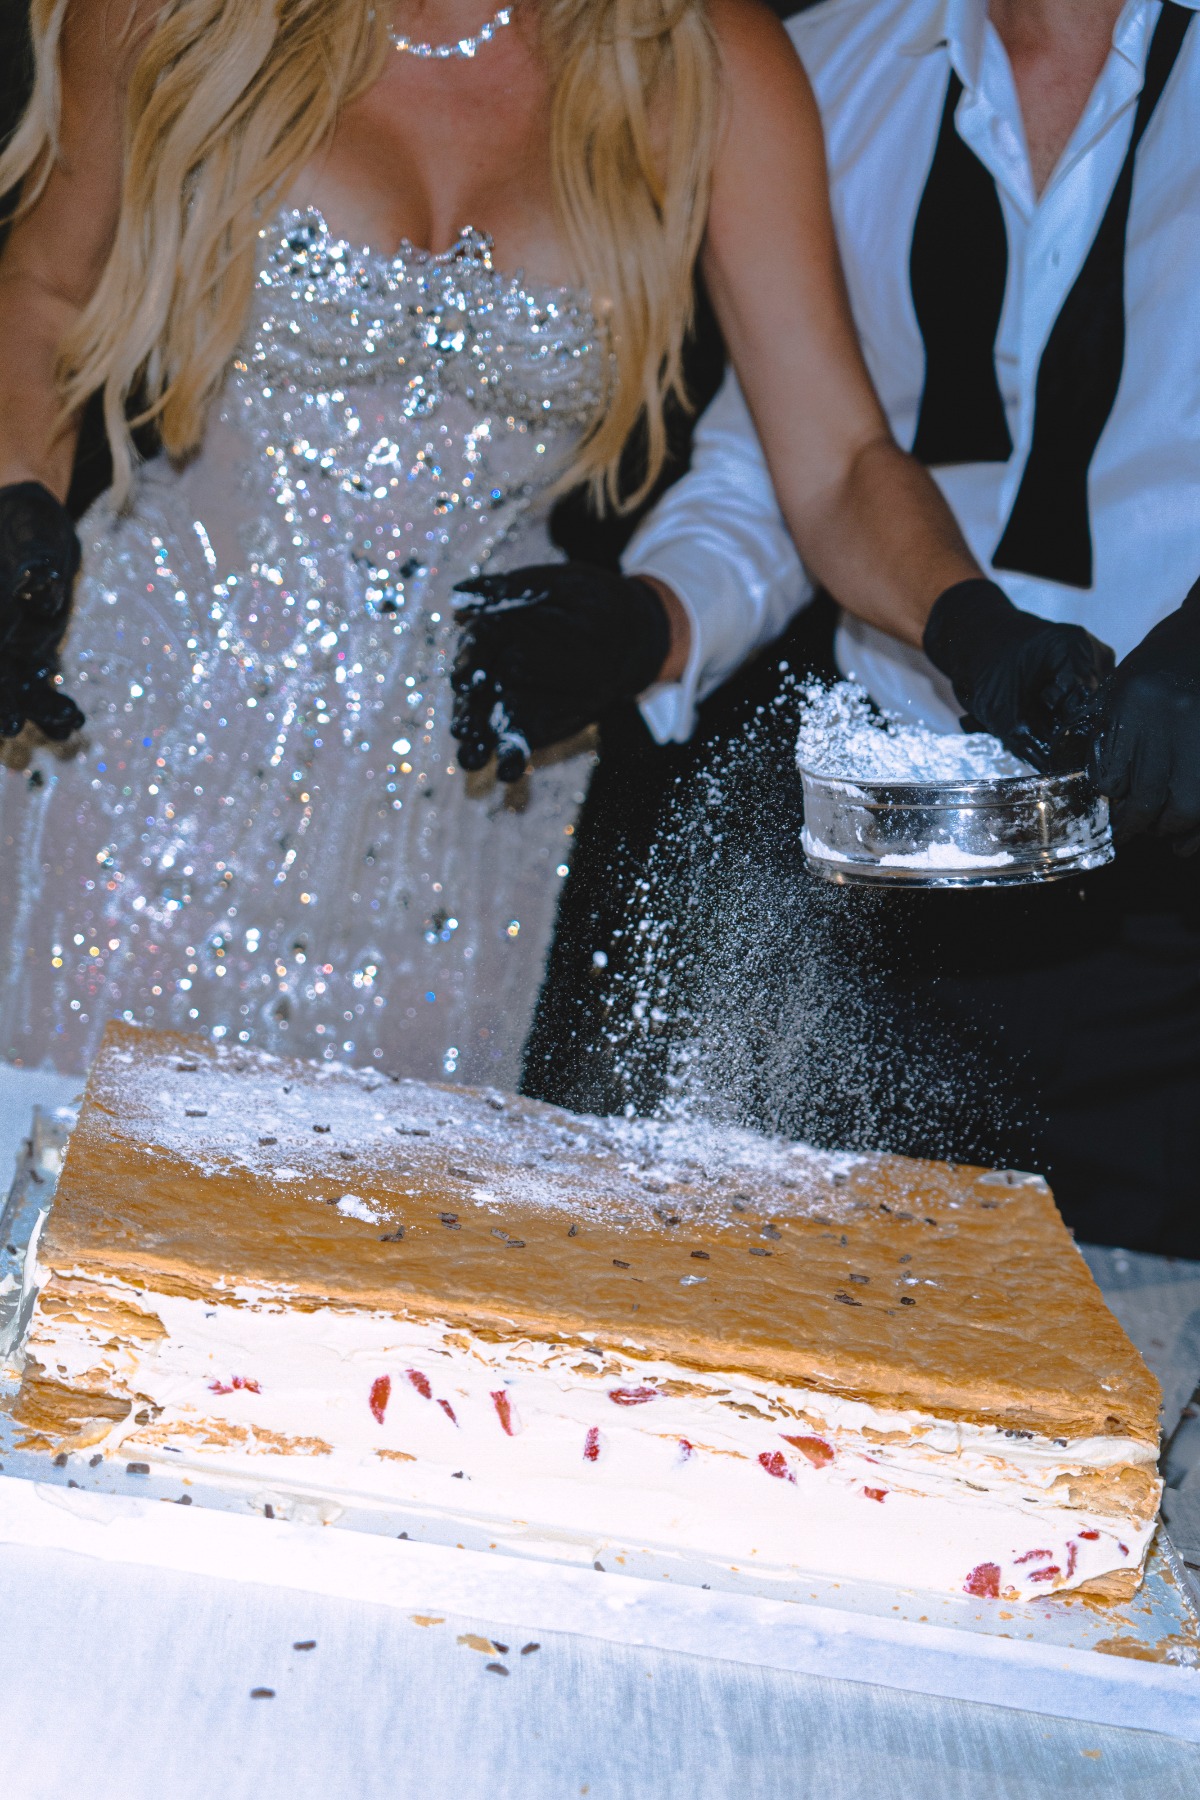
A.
x: 266, y: 834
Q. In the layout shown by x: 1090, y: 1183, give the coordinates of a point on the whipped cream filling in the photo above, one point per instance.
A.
x: 596, y: 1443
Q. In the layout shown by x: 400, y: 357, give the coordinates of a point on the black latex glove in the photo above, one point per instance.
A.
x: 39, y: 559
x: 544, y: 652
x: 1147, y: 754
x: 1031, y: 683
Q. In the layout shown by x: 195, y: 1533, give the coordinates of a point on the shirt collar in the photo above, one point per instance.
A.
x: 1135, y: 27
x: 959, y: 26
x: 954, y: 24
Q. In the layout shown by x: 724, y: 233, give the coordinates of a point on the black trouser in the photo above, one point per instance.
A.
x: 1088, y: 994
x: 1055, y: 1028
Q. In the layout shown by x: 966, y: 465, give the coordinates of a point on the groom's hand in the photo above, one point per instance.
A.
x: 544, y: 652
x: 1030, y: 682
x: 39, y: 559
x: 1147, y: 755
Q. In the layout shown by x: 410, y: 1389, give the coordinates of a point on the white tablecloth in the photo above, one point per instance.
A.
x: 129, y: 1684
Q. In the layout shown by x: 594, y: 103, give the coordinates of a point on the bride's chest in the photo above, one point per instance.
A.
x: 430, y: 329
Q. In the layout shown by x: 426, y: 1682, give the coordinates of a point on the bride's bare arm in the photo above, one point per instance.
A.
x: 869, y: 522
x: 55, y: 252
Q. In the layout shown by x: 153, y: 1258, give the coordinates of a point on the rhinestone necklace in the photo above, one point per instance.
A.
x: 464, y: 47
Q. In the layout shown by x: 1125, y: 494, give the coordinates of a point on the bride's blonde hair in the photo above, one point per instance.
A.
x: 228, y: 99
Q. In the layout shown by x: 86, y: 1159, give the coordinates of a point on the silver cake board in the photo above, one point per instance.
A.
x: 1134, y: 1665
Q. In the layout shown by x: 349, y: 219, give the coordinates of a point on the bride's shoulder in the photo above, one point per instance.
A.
x: 763, y: 72
x: 750, y: 29
x: 757, y: 53
x: 107, y: 36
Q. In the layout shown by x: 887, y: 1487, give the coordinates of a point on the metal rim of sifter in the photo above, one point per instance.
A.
x: 1006, y: 832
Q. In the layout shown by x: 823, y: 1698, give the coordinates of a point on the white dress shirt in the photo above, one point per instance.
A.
x: 880, y: 70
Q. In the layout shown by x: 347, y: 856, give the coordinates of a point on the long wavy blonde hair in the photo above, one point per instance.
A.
x: 227, y: 101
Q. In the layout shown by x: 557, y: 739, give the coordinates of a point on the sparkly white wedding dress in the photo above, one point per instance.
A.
x: 265, y: 836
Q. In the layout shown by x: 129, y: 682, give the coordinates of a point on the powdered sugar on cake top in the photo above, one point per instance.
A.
x: 843, y: 735
x: 228, y: 1108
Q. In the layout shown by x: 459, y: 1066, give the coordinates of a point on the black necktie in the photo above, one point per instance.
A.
x: 958, y: 269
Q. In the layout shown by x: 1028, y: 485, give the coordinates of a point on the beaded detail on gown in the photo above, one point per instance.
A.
x: 265, y: 834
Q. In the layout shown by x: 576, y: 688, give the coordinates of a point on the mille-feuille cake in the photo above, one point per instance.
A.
x: 591, y: 1331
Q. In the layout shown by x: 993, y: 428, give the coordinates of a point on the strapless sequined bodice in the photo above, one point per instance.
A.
x: 266, y: 835
x: 439, y: 325
x: 432, y: 387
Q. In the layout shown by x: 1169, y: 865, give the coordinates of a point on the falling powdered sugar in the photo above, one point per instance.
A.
x: 740, y: 991
x: 843, y: 735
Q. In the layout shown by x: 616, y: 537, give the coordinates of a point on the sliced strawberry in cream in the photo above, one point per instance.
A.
x: 983, y: 1581
x: 775, y: 1463
x: 505, y: 1412
x: 818, y: 1452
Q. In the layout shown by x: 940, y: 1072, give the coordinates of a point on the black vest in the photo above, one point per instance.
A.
x: 957, y: 271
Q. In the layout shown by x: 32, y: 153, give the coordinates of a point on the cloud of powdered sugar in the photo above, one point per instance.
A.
x: 758, y: 995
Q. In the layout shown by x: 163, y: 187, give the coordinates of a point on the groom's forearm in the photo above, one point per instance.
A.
x: 680, y: 628
x: 881, y: 539
x: 868, y: 523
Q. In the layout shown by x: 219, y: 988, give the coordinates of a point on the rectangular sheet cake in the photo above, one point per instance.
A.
x: 601, y: 1332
